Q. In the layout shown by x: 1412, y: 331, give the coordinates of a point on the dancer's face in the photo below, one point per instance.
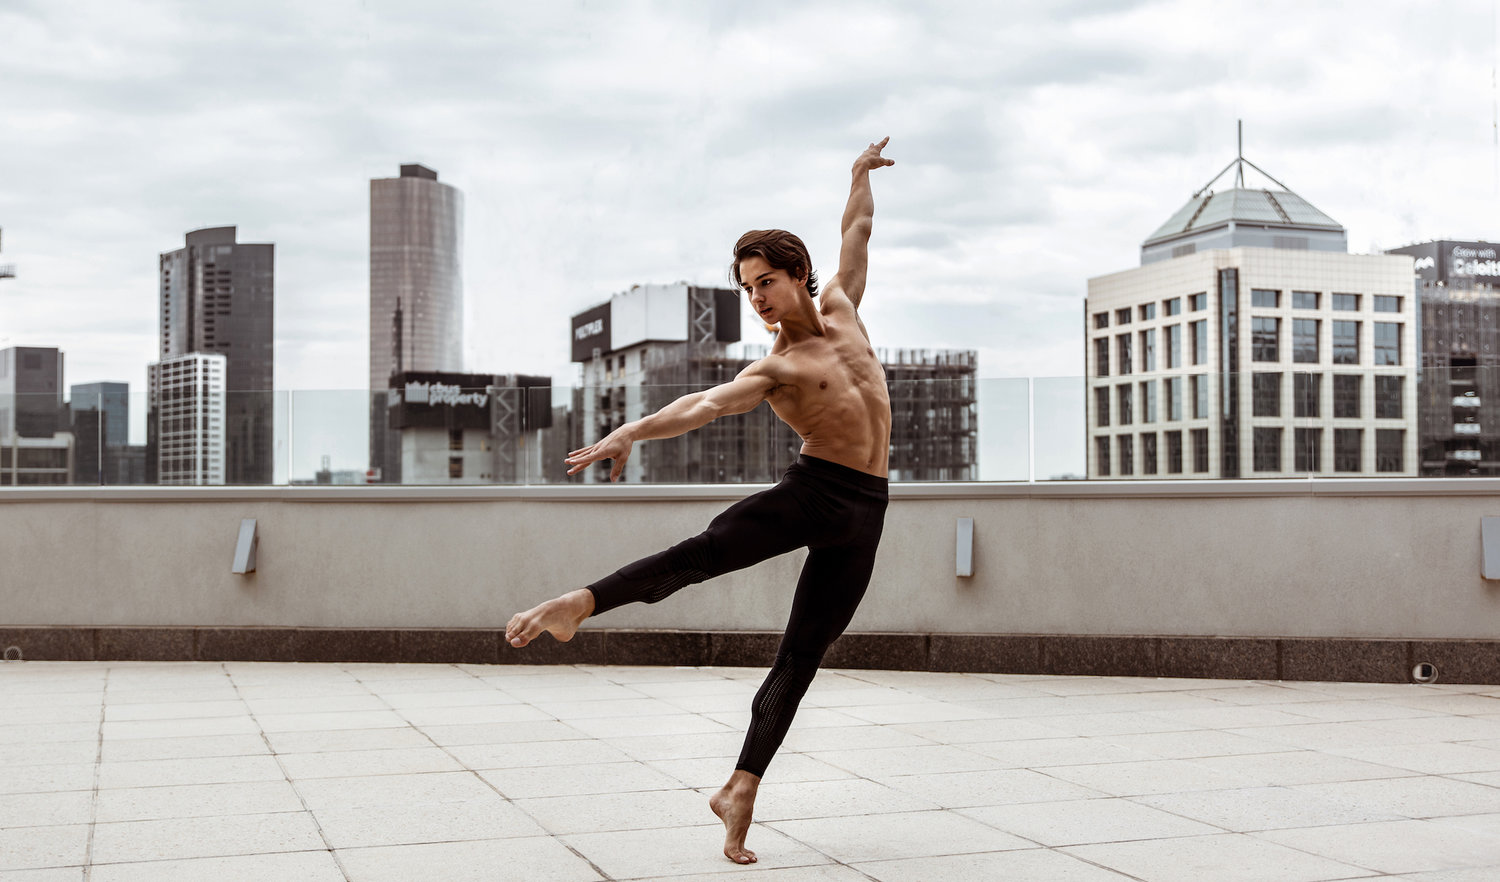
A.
x: 772, y: 292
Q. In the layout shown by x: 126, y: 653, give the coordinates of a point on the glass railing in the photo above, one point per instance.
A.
x: 1336, y: 422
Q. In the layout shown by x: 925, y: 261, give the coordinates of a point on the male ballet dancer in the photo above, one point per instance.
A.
x: 823, y: 380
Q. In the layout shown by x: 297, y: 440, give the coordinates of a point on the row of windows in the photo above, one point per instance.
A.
x: 1259, y: 297
x: 1265, y: 345
x: 1307, y: 451
x: 1172, y: 343
x: 1147, y: 311
x: 1265, y: 397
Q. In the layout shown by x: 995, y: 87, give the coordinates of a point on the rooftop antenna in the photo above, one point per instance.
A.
x: 1239, y: 153
x: 1238, y: 163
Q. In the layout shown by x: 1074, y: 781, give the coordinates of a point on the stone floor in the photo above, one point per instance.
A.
x: 241, y: 771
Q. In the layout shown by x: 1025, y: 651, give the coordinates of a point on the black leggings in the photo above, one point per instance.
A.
x: 837, y: 513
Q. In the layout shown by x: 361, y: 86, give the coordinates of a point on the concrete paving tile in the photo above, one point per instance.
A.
x: 352, y: 792
x: 856, y: 696
x: 1263, y: 808
x: 537, y: 753
x: 240, y: 724
x: 52, y: 778
x: 894, y: 836
x: 916, y: 712
x: 819, y: 873
x: 351, y: 763
x: 1487, y: 825
x: 42, y: 733
x: 319, y: 705
x: 1425, y: 797
x: 175, y: 710
x: 1228, y: 716
x: 779, y: 801
x: 347, y: 739
x: 309, y: 689
x: 182, y: 838
x: 1327, y: 736
x: 1149, y: 776
x: 321, y: 722
x: 539, y: 859
x: 1261, y: 693
x: 714, y: 704
x: 1124, y: 723
x: 1391, y: 691
x: 1489, y: 779
x: 714, y: 771
x: 1299, y: 767
x: 673, y: 853
x: 724, y: 743
x: 46, y: 809
x: 1461, y: 703
x: 887, y: 761
x: 186, y: 747
x: 1192, y: 744
x: 481, y: 714
x: 1229, y: 857
x: 852, y: 738
x: 653, y: 724
x: 402, y: 701
x: 303, y: 866
x: 1442, y: 728
x: 200, y: 770
x: 483, y: 817
x: 603, y: 812
x: 1034, y: 864
x: 1040, y: 753
x: 47, y: 753
x: 807, y: 718
x: 1431, y: 759
x: 968, y: 731
x: 24, y: 848
x: 196, y: 800
x: 125, y: 697
x: 56, y: 874
x: 1350, y: 711
x: 93, y: 699
x: 376, y: 672
x: 1162, y: 703
x: 603, y: 691
x: 1395, y: 847
x: 1472, y: 874
x: 16, y: 716
x: 1085, y: 821
x: 534, y: 781
x: 987, y: 787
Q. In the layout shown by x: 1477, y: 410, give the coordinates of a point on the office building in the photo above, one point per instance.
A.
x: 186, y: 419
x: 35, y: 446
x: 416, y: 293
x: 112, y: 400
x: 1250, y: 344
x: 1458, y: 295
x: 654, y: 343
x: 218, y: 296
x: 101, y: 431
x: 469, y: 428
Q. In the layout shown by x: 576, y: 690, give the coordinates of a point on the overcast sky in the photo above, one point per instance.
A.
x: 600, y: 144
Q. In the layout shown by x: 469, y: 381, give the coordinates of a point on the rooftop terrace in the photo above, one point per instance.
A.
x: 121, y: 771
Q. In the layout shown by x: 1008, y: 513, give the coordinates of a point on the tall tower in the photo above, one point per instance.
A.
x: 218, y: 296
x: 416, y: 292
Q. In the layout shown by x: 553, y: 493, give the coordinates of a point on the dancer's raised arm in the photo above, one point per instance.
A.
x: 859, y: 214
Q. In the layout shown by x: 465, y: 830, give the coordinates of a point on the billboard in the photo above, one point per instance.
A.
x: 434, y: 400
x: 1452, y: 261
x: 591, y: 329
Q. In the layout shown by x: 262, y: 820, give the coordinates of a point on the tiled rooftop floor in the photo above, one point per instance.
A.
x: 114, y: 772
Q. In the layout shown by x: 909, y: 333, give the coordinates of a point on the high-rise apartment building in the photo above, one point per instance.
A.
x: 648, y: 346
x: 35, y: 447
x: 110, y: 399
x: 187, y: 418
x: 218, y: 296
x: 1458, y: 295
x: 1250, y: 344
x: 416, y: 293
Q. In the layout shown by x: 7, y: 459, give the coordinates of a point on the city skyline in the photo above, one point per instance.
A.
x: 1034, y: 150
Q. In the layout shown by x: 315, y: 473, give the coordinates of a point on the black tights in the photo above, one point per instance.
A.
x: 837, y: 513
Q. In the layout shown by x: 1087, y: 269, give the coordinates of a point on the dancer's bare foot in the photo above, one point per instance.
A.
x: 560, y: 615
x: 735, y: 804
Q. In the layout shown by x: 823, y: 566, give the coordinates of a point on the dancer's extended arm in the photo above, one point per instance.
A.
x: 854, y: 229
x: 685, y: 414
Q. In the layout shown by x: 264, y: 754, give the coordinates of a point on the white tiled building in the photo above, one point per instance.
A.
x: 1249, y: 344
x: 186, y: 419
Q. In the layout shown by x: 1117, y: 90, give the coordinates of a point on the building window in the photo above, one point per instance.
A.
x: 1200, y: 397
x: 1388, y: 444
x: 1174, y: 452
x: 1148, y: 453
x: 1309, y: 452
x: 455, y: 467
x: 1101, y: 356
x: 1304, y: 300
x: 1172, y: 306
x: 1101, y: 405
x: 1122, y: 352
x: 1346, y: 302
x: 1200, y: 450
x: 1101, y: 320
x: 1267, y: 449
x: 1346, y: 393
x: 1174, y: 346
x: 1148, y: 401
x: 1101, y: 455
x: 1148, y: 350
x: 1127, y: 455
x: 1265, y: 394
x: 1122, y: 316
x: 1387, y: 303
x: 1305, y: 341
x: 1148, y: 311
x: 1265, y: 338
x: 1197, y: 302
x: 1265, y: 298
x: 1346, y: 444
x: 1388, y: 399
x: 1172, y: 389
x: 1200, y: 341
x: 1122, y: 394
x: 1307, y: 395
x: 1387, y: 343
x: 1346, y: 341
x: 455, y: 439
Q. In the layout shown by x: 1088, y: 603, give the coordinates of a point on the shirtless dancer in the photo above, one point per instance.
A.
x: 823, y: 379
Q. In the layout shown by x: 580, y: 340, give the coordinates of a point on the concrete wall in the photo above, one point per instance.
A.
x: 1358, y: 558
